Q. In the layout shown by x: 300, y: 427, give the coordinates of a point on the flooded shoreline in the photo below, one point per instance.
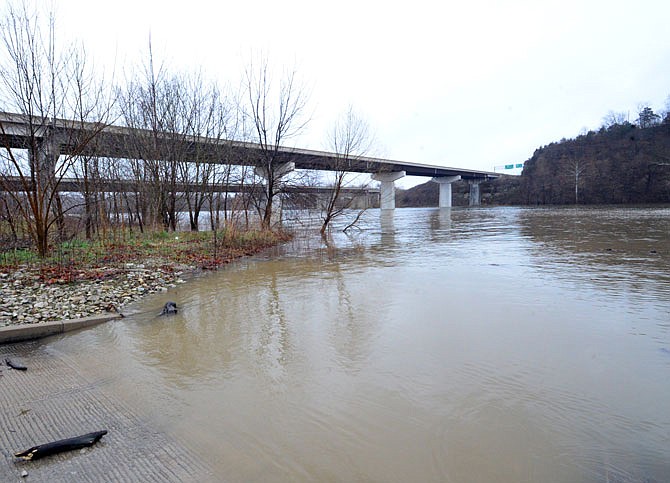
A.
x: 504, y: 344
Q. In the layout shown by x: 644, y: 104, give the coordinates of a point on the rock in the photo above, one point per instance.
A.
x: 27, y: 300
x: 24, y: 473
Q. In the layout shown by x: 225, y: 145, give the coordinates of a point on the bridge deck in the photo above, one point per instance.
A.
x: 122, y: 142
x: 14, y: 183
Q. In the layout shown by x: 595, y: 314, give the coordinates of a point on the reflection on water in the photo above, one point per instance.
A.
x: 509, y: 345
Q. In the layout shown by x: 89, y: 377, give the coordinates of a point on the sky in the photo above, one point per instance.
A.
x: 474, y: 84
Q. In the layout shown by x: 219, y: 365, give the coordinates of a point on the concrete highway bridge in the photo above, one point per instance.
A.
x: 14, y: 183
x: 75, y: 138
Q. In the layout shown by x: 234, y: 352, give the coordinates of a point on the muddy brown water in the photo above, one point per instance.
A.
x: 479, y: 345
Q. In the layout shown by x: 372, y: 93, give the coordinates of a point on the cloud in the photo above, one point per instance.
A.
x: 471, y: 84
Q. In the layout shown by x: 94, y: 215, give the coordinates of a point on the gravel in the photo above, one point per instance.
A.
x: 26, y: 299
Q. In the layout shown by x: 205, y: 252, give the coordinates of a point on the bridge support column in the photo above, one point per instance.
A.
x: 387, y: 192
x: 278, y: 172
x: 475, y: 197
x: 445, y: 189
x: 45, y: 158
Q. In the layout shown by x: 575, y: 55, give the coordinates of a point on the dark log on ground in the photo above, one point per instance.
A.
x: 68, y: 444
x: 15, y: 365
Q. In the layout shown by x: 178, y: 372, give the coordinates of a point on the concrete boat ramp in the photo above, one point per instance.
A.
x: 53, y: 400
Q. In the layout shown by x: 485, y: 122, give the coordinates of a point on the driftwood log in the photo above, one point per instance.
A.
x: 68, y: 444
x: 15, y: 365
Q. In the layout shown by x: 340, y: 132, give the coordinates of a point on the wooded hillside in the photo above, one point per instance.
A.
x: 621, y: 164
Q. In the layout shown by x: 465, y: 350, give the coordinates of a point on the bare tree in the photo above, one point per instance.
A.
x: 231, y: 119
x: 615, y: 119
x: 210, y: 114
x: 153, y: 107
x: 44, y: 85
x: 277, y: 113
x: 350, y: 139
x: 575, y: 168
x: 93, y: 102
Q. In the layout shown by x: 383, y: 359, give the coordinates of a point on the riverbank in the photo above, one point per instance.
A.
x: 102, y: 282
x: 28, y: 299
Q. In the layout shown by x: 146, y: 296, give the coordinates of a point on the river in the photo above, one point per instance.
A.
x: 453, y: 345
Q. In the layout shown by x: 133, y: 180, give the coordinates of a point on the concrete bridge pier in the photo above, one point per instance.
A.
x: 278, y: 173
x: 475, y: 197
x: 445, y: 189
x: 45, y: 157
x: 387, y: 192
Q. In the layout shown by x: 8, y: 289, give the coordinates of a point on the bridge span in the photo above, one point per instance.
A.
x: 74, y: 185
x: 78, y: 138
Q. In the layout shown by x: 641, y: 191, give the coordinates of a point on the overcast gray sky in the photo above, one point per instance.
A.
x: 470, y: 84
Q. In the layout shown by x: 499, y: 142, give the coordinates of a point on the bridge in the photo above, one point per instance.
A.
x: 79, y: 138
x: 15, y: 183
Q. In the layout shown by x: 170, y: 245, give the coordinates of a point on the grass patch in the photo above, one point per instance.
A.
x: 18, y: 256
x: 82, y: 259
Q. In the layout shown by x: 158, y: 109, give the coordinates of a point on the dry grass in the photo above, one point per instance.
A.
x: 84, y: 260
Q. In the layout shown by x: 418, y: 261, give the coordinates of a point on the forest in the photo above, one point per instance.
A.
x: 621, y: 163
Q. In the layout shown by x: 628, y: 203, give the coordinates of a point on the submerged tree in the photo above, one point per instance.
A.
x: 350, y: 139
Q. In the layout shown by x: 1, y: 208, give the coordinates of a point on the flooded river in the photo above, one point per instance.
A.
x: 462, y: 345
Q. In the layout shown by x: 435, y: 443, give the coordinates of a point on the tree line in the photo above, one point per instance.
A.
x: 623, y: 162
x: 166, y: 112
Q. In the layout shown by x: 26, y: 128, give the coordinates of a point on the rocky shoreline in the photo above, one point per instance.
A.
x: 26, y: 299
